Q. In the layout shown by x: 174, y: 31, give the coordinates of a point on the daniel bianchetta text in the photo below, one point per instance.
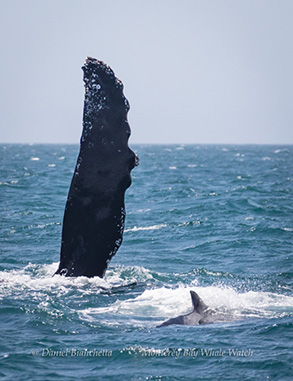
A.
x: 147, y: 352
x: 73, y: 352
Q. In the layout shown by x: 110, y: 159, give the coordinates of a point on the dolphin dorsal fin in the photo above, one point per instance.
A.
x: 198, y: 304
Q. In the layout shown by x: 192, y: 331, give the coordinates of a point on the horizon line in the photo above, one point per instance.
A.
x: 158, y: 144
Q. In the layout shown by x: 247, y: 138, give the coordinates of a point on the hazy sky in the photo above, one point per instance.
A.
x: 194, y: 71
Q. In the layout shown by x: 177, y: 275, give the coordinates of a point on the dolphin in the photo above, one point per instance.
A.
x: 201, y: 314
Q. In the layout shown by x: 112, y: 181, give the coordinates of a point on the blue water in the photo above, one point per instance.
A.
x: 214, y: 219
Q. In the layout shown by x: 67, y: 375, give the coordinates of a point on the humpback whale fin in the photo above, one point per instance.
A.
x: 94, y: 215
x: 198, y: 304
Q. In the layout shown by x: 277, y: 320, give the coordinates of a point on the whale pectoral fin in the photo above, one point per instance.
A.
x: 94, y: 216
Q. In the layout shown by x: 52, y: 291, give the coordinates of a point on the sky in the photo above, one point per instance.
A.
x: 194, y: 71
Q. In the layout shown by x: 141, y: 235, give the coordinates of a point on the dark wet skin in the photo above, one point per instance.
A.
x: 95, y: 211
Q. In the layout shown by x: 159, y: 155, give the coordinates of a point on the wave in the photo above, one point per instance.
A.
x: 157, y: 305
x: 39, y: 279
x: 153, y: 227
x: 134, y: 296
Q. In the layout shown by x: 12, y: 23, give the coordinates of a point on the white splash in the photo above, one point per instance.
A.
x: 156, y: 305
x: 38, y: 280
x: 148, y: 309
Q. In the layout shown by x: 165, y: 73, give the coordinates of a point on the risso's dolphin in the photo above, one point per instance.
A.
x: 94, y: 215
x: 201, y: 314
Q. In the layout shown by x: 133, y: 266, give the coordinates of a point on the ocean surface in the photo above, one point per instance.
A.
x: 210, y: 218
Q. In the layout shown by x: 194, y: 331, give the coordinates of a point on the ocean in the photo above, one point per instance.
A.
x: 216, y: 219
